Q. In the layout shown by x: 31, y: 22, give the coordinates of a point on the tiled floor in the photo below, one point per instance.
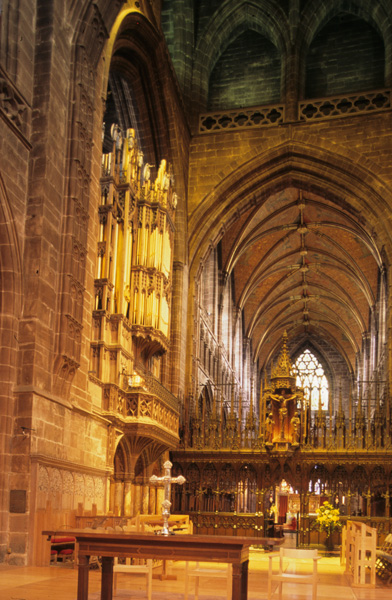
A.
x: 60, y: 583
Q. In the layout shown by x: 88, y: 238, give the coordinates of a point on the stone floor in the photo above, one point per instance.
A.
x: 60, y: 583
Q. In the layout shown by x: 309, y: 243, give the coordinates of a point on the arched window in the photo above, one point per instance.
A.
x: 311, y: 377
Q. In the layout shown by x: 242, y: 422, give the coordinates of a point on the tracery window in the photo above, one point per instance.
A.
x: 311, y: 377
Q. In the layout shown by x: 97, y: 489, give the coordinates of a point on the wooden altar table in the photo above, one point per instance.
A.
x: 234, y: 550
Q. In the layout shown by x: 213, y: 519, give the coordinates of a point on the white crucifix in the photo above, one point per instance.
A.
x: 166, y: 480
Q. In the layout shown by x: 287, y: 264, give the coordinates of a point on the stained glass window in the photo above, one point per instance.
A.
x: 311, y: 377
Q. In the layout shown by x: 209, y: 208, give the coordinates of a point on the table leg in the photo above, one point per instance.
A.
x: 240, y: 581
x: 83, y: 570
x: 107, y: 578
x: 244, y: 580
x: 166, y: 572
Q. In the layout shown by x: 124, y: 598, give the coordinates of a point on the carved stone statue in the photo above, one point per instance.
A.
x: 283, y: 406
x: 295, y: 429
x: 283, y: 397
x: 269, y: 429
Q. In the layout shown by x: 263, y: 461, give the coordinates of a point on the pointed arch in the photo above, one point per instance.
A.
x: 335, y: 173
x: 312, y: 379
x: 225, y: 26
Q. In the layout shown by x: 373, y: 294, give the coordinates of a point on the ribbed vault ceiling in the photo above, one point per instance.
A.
x: 302, y: 264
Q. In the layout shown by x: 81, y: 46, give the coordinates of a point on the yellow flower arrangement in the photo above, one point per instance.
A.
x: 328, y: 519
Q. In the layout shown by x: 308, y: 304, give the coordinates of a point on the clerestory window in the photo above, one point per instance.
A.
x: 311, y: 377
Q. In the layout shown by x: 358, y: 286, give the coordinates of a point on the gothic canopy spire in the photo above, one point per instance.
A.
x: 282, y: 373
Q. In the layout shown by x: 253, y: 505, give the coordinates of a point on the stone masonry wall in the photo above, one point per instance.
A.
x: 246, y: 74
x: 346, y: 56
x: 214, y: 157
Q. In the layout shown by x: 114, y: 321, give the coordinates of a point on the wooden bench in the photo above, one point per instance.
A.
x: 62, y: 548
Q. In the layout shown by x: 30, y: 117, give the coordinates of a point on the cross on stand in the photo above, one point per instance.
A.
x: 167, y: 480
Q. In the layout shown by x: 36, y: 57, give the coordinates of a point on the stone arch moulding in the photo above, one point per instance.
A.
x: 134, y: 50
x: 318, y: 14
x: 11, y: 308
x: 342, y: 175
x: 219, y: 33
x: 10, y: 258
x: 336, y: 175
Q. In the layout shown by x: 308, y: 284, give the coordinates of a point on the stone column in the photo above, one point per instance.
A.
x: 145, y: 499
x: 128, y: 496
x: 137, y: 499
x: 152, y: 501
x: 118, y: 498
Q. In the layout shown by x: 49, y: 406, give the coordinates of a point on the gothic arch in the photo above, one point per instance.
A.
x: 331, y: 173
x: 340, y: 480
x: 321, y: 330
x: 318, y: 14
x: 359, y: 479
x: 321, y: 357
x: 177, y: 15
x: 132, y: 33
x: 296, y: 165
x: 121, y: 460
x: 378, y: 479
x: 227, y: 478
x: 319, y: 476
x: 340, y: 385
x: 134, y: 56
x: 226, y: 24
x: 205, y: 399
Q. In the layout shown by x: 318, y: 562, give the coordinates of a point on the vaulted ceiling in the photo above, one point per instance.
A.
x: 302, y: 264
x: 300, y: 261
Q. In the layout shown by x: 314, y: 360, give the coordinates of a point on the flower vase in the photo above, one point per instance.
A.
x: 329, y: 545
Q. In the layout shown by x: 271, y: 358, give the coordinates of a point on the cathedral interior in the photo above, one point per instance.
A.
x: 195, y: 250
